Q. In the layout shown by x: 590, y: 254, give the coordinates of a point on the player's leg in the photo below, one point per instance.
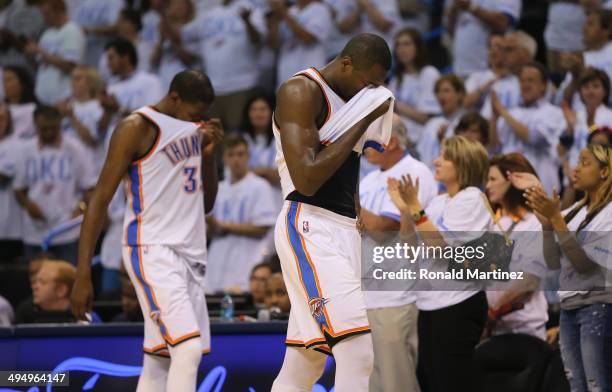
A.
x: 156, y: 361
x: 301, y: 369
x: 164, y: 279
x: 183, y: 371
x: 154, y: 374
x: 354, y: 362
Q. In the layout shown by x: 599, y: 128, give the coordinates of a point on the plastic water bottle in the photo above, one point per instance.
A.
x: 227, y: 308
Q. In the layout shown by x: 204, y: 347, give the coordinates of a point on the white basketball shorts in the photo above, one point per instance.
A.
x: 171, y: 298
x: 320, y: 255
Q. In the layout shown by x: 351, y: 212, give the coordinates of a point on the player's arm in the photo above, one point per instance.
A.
x: 131, y: 139
x: 299, y: 103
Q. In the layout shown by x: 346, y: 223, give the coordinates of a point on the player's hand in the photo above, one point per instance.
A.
x: 379, y: 111
x: 81, y: 298
x: 212, y: 134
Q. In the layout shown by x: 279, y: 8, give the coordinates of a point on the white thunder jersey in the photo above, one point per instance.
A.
x: 164, y: 191
x: 334, y: 103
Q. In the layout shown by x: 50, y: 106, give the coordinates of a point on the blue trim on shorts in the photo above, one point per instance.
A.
x: 306, y: 271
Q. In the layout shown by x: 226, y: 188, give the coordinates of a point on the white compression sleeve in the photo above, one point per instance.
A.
x: 354, y: 363
x: 154, y: 374
x: 184, y: 362
x: 301, y: 369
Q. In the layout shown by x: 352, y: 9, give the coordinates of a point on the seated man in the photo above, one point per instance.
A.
x: 51, y: 295
x: 6, y: 313
x: 257, y: 284
x: 131, y: 312
x: 277, y: 299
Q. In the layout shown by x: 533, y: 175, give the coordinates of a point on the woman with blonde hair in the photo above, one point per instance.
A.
x: 82, y: 112
x: 579, y: 242
x: 452, y: 313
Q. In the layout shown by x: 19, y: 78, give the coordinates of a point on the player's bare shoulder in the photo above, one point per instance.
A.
x: 136, y: 131
x: 298, y: 92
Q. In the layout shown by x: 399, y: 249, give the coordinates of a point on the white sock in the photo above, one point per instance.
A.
x: 301, y: 369
x: 184, y: 361
x: 354, y: 363
x: 154, y: 374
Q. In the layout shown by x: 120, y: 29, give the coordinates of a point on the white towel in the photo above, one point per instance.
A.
x: 365, y: 102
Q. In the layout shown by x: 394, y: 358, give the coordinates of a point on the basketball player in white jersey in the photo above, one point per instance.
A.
x: 165, y: 153
x: 316, y: 236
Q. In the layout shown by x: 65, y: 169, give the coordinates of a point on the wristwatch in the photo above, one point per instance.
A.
x: 418, y: 215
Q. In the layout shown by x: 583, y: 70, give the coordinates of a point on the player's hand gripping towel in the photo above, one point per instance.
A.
x: 365, y: 102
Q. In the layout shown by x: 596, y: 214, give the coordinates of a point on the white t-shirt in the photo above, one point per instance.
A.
x: 459, y: 219
x: 89, y: 114
x: 55, y: 178
x: 390, y: 10
x: 428, y: 145
x: 374, y: 197
x: 564, y: 27
x: 528, y: 257
x: 603, y: 117
x: 68, y: 43
x: 262, y: 153
x: 138, y: 90
x: 337, y: 40
x: 295, y: 55
x: 227, y: 53
x: 10, y: 211
x: 471, y: 35
x: 596, y: 241
x: 545, y: 123
x: 96, y: 13
x: 22, y: 116
x: 231, y: 257
x: 417, y: 90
